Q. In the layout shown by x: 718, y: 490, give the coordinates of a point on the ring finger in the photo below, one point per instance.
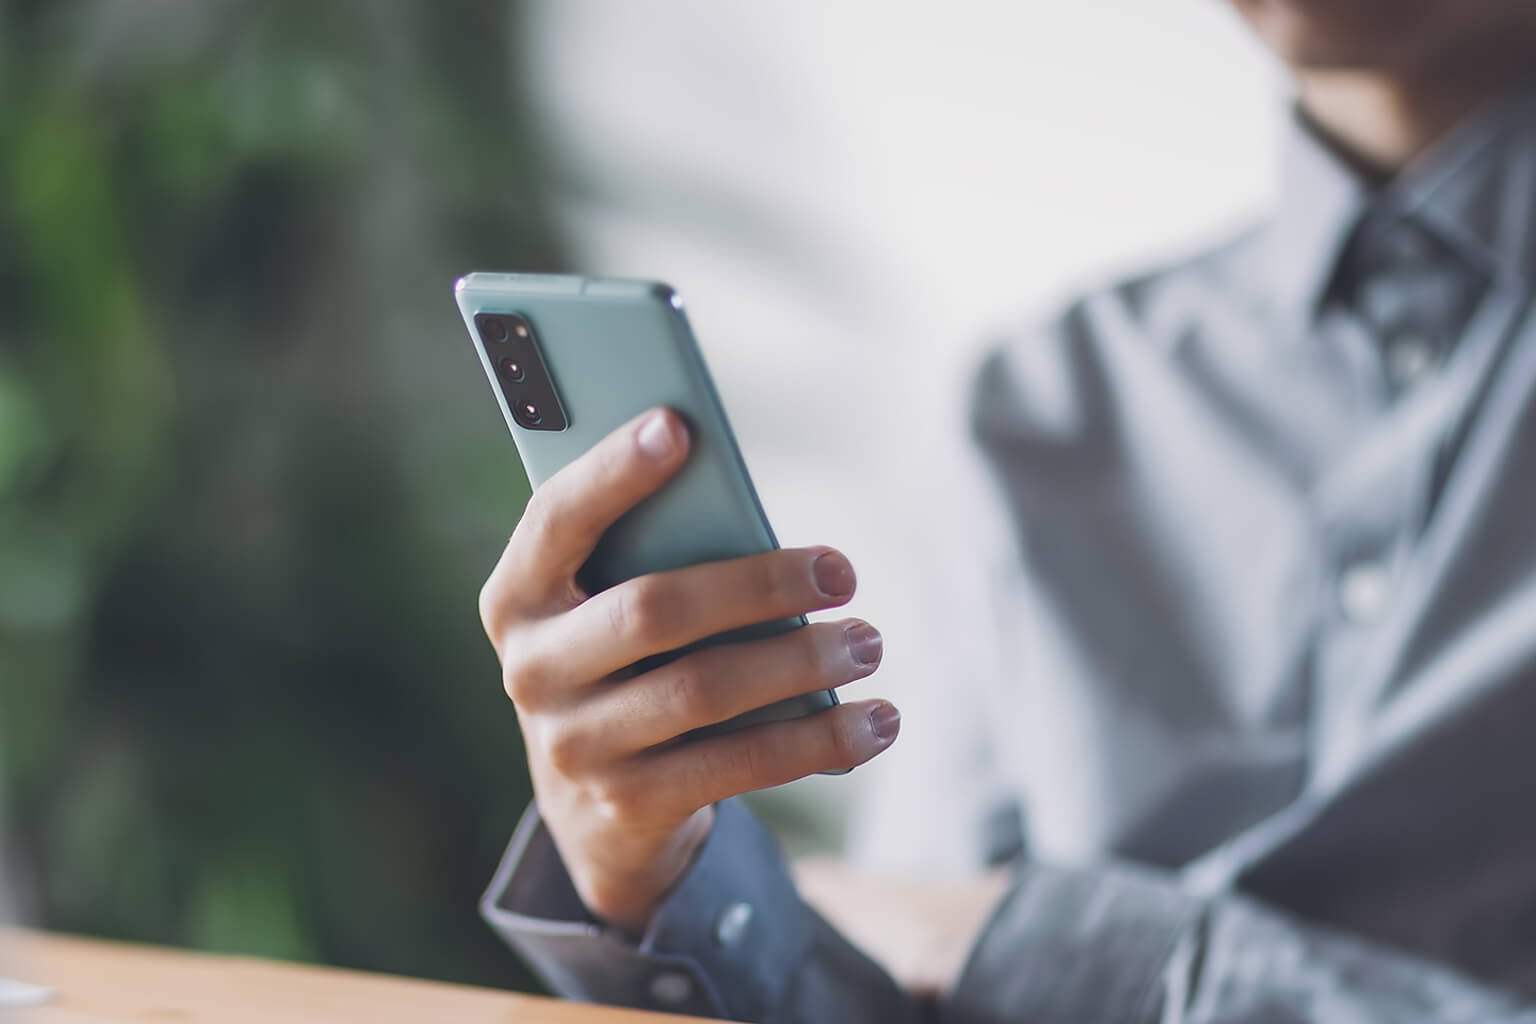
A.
x: 719, y: 683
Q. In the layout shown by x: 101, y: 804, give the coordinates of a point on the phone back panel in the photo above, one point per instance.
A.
x: 613, y: 349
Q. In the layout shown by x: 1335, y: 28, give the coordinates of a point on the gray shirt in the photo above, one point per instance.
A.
x: 1277, y: 589
x: 1271, y: 612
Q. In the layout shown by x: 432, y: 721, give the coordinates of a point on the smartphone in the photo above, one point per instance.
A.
x: 570, y: 359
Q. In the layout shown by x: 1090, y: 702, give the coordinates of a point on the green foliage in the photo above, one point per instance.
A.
x: 250, y: 478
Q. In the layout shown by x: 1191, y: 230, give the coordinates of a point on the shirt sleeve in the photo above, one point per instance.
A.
x: 731, y: 940
x: 1133, y: 946
x: 1104, y: 944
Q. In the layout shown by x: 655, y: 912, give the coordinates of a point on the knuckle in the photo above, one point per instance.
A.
x: 779, y: 582
x: 812, y: 652
x: 522, y: 675
x: 643, y: 610
x: 744, y: 762
x: 611, y: 460
x: 518, y: 681
x: 619, y: 800
x: 497, y: 605
x: 537, y: 518
x: 489, y: 604
x: 689, y: 693
x: 565, y: 749
x: 841, y: 745
x: 547, y: 522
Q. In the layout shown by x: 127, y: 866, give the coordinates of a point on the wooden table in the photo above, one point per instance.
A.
x: 96, y: 981
x: 919, y: 930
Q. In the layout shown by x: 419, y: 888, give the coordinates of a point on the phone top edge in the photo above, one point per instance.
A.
x: 566, y: 284
x: 531, y: 284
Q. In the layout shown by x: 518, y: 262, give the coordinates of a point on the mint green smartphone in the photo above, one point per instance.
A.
x: 570, y: 359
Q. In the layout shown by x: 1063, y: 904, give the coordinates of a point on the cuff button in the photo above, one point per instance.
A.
x: 671, y: 988
x: 732, y: 924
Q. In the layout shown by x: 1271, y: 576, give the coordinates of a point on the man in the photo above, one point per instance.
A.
x: 1274, y: 569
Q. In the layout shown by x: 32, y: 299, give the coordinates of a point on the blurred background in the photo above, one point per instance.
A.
x: 250, y: 474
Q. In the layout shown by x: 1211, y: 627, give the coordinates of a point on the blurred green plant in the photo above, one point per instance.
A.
x: 250, y: 479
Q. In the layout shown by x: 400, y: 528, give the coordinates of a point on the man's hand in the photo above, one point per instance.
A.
x: 627, y: 805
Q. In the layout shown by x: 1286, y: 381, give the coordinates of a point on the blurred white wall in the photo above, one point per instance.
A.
x: 850, y: 195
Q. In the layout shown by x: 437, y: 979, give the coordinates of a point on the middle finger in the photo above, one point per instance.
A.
x: 665, y: 611
x: 719, y: 683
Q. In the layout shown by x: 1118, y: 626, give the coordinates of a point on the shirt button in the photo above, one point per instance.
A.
x: 1363, y: 592
x: 1409, y: 357
x: 1407, y: 244
x: 671, y: 988
x: 732, y: 923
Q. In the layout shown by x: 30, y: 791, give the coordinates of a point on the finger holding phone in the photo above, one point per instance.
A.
x: 645, y: 697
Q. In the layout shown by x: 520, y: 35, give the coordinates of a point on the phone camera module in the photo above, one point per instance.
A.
x: 494, y: 329
x: 510, y: 346
x: 528, y: 414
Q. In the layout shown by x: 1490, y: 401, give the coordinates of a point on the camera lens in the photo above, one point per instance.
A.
x: 512, y: 369
x: 528, y: 412
x: 493, y: 329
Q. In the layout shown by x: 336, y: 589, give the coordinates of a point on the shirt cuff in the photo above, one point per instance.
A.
x: 1097, y: 946
x: 725, y: 942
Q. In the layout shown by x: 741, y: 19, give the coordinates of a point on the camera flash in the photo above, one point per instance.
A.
x: 522, y: 330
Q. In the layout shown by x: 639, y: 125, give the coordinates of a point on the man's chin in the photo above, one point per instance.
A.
x: 1307, y: 39
x: 1324, y: 60
x: 1326, y: 55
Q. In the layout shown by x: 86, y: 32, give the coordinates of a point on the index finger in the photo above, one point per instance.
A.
x: 567, y: 515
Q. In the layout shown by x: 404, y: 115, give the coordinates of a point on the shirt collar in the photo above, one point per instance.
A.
x: 1475, y: 188
x: 1321, y: 200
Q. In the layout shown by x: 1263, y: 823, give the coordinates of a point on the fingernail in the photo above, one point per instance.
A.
x: 864, y: 643
x: 833, y: 574
x: 655, y: 436
x: 885, y: 722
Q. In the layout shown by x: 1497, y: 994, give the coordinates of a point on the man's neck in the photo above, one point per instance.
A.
x: 1382, y: 121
